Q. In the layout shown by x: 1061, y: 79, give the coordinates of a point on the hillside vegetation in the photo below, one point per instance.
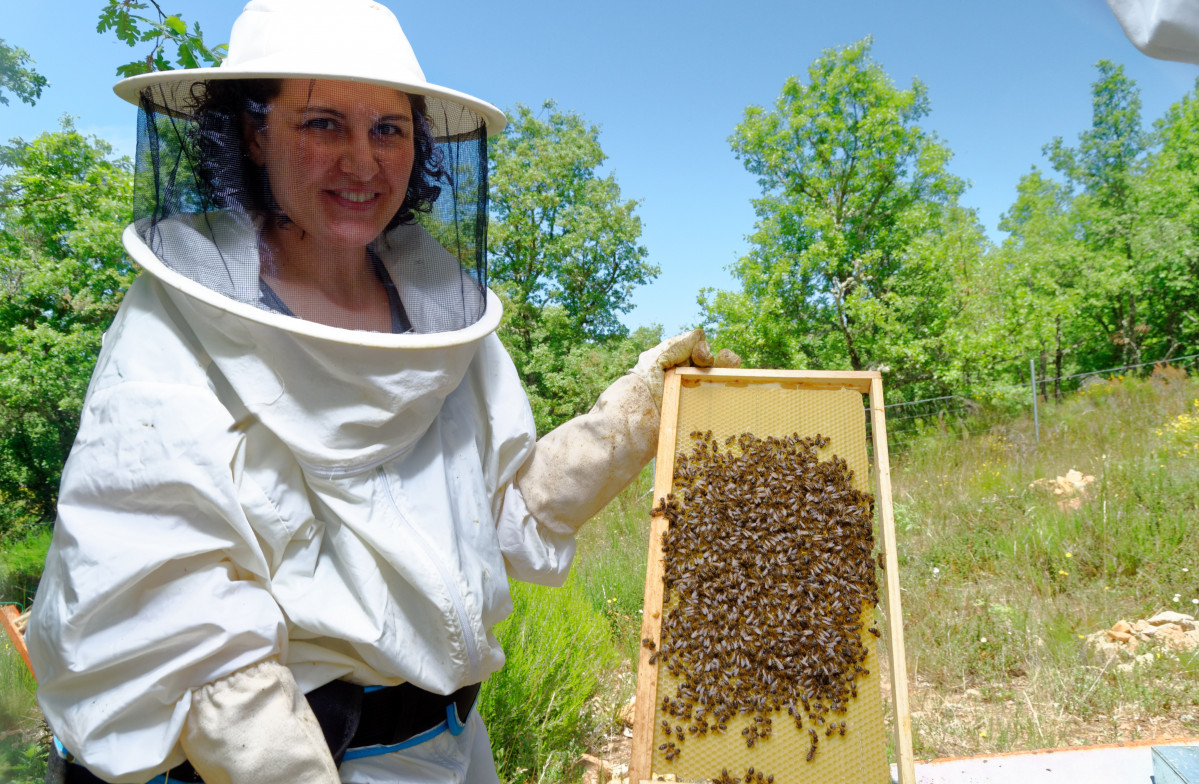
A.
x: 1003, y: 578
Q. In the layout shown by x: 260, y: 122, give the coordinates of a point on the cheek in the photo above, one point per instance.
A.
x: 401, y: 170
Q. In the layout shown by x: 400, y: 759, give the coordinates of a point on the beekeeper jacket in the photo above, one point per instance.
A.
x: 246, y: 485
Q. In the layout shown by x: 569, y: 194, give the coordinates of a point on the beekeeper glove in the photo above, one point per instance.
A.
x: 579, y: 466
x: 255, y: 727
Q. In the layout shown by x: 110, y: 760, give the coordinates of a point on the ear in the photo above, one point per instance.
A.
x: 251, y: 138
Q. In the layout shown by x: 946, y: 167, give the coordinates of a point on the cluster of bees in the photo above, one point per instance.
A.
x: 751, y: 777
x: 769, y: 568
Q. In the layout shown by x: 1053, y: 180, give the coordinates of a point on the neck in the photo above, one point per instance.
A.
x: 332, y: 285
x: 293, y: 257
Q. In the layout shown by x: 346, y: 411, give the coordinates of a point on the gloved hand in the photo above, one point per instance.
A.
x: 255, y: 727
x: 690, y: 348
x: 579, y: 466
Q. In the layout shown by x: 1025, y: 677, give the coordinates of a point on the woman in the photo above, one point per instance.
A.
x: 305, y: 467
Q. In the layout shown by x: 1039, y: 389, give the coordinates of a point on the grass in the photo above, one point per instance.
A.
x: 22, y: 740
x: 541, y: 708
x: 1001, y: 583
x: 22, y: 735
x: 572, y: 650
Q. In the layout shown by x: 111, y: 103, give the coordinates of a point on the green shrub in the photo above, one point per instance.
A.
x: 22, y: 761
x: 539, y: 708
x: 21, y: 561
x: 22, y: 752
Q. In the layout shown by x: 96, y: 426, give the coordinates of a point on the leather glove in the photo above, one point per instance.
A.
x: 581, y: 465
x: 255, y: 727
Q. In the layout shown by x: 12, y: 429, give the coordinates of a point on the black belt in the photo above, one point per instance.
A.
x: 350, y: 717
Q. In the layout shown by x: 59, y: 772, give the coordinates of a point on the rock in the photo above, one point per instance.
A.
x: 1101, y: 649
x: 595, y: 770
x: 1119, y: 636
x: 1122, y: 626
x: 1144, y: 659
x: 1071, y: 489
x: 1187, y: 622
x: 1173, y: 637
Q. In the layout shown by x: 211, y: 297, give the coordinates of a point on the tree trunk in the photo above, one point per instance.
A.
x: 1057, y: 361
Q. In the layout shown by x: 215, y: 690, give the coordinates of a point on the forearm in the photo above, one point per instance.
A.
x: 581, y: 465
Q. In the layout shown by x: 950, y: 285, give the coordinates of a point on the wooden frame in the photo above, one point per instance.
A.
x: 867, y: 383
x: 8, y: 619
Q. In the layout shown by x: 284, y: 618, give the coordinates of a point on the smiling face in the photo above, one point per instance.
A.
x: 338, y: 156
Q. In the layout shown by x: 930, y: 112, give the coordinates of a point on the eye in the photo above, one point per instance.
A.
x: 320, y: 124
x: 390, y: 130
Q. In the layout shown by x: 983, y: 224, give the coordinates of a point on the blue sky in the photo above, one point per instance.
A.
x: 668, y: 81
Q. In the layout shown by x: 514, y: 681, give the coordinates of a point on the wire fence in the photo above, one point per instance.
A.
x: 953, y: 416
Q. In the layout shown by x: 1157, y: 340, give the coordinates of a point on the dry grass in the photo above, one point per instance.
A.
x: 1002, y: 580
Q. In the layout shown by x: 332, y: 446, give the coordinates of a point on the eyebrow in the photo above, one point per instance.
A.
x: 341, y: 115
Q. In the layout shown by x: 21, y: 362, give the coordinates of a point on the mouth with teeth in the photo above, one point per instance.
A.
x: 353, y: 198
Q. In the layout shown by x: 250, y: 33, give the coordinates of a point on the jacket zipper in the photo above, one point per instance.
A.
x: 468, y: 636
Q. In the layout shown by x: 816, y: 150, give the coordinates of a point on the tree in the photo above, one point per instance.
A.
x: 848, y: 266
x: 63, y: 204
x: 1165, y: 238
x: 1036, y: 274
x: 16, y: 77
x: 167, y: 30
x: 1103, y: 170
x: 564, y: 255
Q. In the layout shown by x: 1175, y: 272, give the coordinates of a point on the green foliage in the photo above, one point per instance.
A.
x: 610, y: 567
x: 21, y: 562
x: 860, y: 242
x: 164, y: 32
x: 1105, y: 167
x: 63, y: 203
x: 22, y: 747
x: 22, y: 762
x: 565, y: 259
x: 17, y: 77
x: 539, y: 708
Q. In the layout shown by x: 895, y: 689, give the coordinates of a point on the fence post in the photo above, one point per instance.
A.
x: 1036, y: 419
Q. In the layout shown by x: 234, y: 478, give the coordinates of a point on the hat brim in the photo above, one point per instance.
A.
x: 450, y: 112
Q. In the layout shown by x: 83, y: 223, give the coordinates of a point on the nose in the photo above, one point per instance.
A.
x: 358, y: 158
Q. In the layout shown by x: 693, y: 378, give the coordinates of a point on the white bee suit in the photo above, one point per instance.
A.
x: 1165, y: 29
x: 249, y: 487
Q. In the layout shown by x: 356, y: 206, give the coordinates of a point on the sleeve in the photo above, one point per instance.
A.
x: 155, y: 584
x: 532, y: 551
x: 581, y: 465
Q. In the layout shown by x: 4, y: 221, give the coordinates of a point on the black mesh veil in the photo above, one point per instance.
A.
x: 346, y: 203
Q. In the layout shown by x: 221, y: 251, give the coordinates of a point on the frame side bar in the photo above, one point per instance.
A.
x: 646, y: 705
x: 905, y: 755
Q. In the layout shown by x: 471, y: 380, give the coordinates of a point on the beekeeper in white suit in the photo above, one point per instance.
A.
x: 306, y: 467
x: 1165, y: 29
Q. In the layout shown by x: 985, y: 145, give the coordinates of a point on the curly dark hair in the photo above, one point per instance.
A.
x: 228, y: 178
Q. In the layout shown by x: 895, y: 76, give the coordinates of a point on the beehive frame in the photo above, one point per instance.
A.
x: 760, y: 383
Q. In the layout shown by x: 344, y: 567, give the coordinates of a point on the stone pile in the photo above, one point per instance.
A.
x: 1135, y: 643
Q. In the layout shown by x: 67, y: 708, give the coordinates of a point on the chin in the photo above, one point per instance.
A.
x: 353, y: 237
